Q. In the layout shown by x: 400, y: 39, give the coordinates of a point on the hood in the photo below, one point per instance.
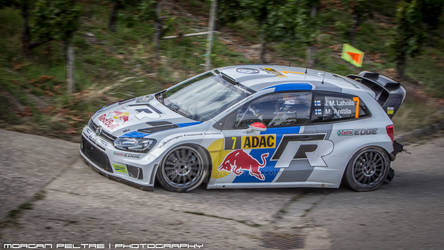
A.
x: 138, y: 115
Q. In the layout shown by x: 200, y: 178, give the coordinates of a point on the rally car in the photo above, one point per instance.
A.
x: 251, y: 126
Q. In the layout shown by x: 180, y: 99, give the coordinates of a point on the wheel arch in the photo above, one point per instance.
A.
x: 359, y: 149
x: 194, y: 145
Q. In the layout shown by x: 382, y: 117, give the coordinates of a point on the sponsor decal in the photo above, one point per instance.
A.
x: 362, y: 131
x: 128, y: 155
x: 366, y: 131
x: 121, y: 116
x: 120, y: 168
x: 262, y: 141
x: 310, y: 147
x: 250, y: 142
x: 114, y: 119
x: 273, y: 71
x: 292, y: 72
x: 345, y: 132
x: 390, y: 110
x: 238, y: 161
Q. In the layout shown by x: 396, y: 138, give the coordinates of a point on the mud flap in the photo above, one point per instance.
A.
x: 397, y: 147
x: 390, y: 176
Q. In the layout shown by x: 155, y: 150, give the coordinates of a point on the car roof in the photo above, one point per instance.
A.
x: 258, y: 77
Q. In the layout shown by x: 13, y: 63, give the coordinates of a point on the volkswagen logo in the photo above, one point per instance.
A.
x: 98, y: 130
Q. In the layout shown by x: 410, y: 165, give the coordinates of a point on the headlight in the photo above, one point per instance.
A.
x: 141, y: 145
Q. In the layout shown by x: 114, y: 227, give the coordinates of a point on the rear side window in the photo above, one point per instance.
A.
x: 276, y: 110
x: 334, y: 107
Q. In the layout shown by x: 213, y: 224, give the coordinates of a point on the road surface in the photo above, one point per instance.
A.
x: 48, y: 195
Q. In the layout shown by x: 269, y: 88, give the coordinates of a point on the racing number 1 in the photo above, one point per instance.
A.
x: 356, y: 99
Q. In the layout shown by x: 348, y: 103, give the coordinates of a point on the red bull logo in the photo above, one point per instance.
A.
x: 114, y: 119
x: 239, y: 161
x: 121, y: 116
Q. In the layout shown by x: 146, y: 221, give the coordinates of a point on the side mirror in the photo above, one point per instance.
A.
x: 257, y: 126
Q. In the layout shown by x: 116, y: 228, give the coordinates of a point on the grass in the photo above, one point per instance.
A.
x: 416, y: 114
x: 427, y: 70
x: 34, y: 88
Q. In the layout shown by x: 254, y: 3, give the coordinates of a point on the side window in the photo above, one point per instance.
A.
x: 333, y: 107
x: 275, y: 110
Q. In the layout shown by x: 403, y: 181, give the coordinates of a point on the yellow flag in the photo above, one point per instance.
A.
x: 352, y: 55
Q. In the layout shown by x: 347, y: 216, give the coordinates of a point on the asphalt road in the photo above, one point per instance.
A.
x: 48, y: 195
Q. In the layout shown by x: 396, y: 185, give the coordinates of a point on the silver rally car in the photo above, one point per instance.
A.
x: 251, y: 126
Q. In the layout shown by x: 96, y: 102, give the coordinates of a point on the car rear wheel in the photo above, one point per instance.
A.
x: 183, y: 169
x: 368, y: 169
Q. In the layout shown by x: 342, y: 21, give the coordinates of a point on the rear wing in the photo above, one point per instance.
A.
x: 388, y: 92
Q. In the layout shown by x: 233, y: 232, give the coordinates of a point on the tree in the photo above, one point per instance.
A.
x: 299, y: 18
x: 119, y: 5
x: 58, y: 20
x: 409, y: 34
x: 25, y: 7
x: 431, y: 13
x: 361, y: 10
x: 150, y: 10
x: 264, y: 12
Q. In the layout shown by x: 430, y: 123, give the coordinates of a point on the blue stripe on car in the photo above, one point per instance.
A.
x: 291, y: 87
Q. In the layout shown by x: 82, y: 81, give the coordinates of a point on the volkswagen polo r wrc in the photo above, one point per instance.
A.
x: 251, y: 126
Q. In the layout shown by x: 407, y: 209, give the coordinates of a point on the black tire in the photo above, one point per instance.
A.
x: 183, y: 168
x: 367, y: 169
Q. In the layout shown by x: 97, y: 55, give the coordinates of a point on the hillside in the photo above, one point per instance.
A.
x: 114, y: 66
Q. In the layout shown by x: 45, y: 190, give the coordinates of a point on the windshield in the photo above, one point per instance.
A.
x: 203, y: 97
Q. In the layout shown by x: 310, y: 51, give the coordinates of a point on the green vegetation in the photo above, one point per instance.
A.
x: 117, y: 58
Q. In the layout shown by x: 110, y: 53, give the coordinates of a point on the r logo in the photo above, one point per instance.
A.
x: 304, y: 146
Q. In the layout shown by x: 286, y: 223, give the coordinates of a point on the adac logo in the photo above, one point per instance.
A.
x: 239, y: 161
x: 250, y: 142
x: 259, y: 141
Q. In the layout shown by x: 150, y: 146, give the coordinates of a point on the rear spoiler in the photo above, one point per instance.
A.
x: 389, y: 93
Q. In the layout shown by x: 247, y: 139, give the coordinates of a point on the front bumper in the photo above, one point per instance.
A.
x: 136, y: 169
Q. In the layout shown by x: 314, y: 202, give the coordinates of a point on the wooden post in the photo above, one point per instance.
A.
x: 70, y: 67
x: 210, y: 34
x: 311, y: 50
x: 157, y: 28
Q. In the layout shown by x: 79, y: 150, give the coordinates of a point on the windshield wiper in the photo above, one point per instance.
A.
x: 177, y: 109
x: 159, y: 96
x: 236, y: 83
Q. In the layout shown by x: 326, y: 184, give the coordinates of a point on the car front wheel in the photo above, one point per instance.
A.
x: 367, y: 169
x: 183, y: 169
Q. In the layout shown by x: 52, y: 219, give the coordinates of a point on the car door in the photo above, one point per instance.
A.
x: 264, y: 140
